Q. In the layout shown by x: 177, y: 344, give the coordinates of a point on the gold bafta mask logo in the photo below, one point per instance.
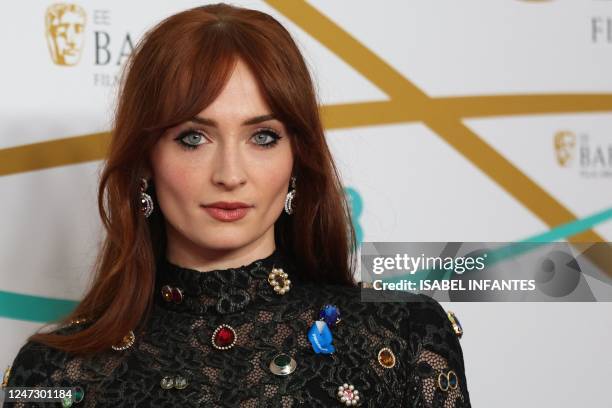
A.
x: 565, y: 143
x: 65, y: 27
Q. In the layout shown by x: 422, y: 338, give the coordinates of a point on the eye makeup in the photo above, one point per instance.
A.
x: 185, y: 137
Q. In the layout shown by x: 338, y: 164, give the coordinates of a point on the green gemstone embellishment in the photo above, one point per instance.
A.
x: 282, y: 364
x: 282, y: 360
x: 78, y: 394
x: 66, y: 402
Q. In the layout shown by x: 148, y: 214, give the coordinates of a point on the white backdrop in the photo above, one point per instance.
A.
x: 508, y: 74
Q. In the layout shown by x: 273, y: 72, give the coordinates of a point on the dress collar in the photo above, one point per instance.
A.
x: 221, y: 291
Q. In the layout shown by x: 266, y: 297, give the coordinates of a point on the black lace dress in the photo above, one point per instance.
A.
x: 212, y: 336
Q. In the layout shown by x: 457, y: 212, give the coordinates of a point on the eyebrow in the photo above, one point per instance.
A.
x: 252, y: 121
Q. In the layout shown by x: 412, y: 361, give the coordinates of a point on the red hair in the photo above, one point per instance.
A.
x: 177, y: 69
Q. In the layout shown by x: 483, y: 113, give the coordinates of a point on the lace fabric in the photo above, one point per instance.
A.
x: 177, y: 341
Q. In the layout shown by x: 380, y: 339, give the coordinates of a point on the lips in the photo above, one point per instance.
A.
x: 228, y: 205
x: 227, y: 211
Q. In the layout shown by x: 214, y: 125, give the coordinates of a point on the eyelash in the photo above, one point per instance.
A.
x: 271, y: 132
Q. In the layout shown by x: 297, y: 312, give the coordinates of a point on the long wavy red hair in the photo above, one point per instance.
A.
x: 177, y: 69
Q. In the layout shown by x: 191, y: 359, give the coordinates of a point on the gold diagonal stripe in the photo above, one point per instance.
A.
x: 53, y: 153
x: 447, y: 123
x: 386, y: 112
x: 506, y: 105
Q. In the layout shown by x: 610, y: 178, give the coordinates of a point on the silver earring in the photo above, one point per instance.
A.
x: 146, y: 202
x: 289, y: 198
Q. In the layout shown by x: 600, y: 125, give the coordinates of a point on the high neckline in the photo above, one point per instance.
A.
x: 220, y: 291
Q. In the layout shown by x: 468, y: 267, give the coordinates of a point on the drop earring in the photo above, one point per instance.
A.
x: 146, y: 202
x: 290, y: 197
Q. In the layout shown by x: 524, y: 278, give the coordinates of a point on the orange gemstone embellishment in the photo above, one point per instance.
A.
x: 386, y: 358
x: 126, y: 342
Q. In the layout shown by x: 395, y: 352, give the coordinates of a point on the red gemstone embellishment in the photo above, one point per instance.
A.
x: 224, y: 337
x: 177, y: 295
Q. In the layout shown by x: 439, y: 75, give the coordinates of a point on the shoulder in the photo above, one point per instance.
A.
x: 35, y: 364
x: 424, y: 310
x: 434, y: 327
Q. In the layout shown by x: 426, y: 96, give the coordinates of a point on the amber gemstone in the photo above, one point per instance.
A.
x: 386, y: 358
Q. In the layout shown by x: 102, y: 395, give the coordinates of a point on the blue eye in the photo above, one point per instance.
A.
x: 266, y: 138
x: 190, y: 139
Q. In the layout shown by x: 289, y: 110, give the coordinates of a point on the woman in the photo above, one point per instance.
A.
x: 226, y: 278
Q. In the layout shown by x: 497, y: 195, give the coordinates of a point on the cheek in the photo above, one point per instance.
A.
x: 272, y: 179
x: 174, y: 176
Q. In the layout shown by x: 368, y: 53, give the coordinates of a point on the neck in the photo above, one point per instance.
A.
x: 188, y: 254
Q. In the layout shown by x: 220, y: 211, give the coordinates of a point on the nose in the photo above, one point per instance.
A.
x: 228, y: 167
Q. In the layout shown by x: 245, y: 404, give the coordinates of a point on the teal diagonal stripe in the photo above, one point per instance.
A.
x: 34, y: 308
x: 562, y: 231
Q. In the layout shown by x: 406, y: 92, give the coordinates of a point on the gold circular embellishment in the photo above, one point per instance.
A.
x: 448, y: 380
x: 279, y: 281
x: 126, y: 342
x: 386, y: 358
x: 443, y: 382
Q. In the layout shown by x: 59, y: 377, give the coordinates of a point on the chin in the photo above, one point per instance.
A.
x: 221, y: 242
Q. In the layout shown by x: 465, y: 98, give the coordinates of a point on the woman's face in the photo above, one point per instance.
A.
x: 231, y: 152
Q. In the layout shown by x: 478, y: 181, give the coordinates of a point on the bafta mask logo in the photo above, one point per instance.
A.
x: 565, y: 143
x: 65, y: 27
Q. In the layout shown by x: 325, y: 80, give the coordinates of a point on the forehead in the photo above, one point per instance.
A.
x: 241, y: 96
